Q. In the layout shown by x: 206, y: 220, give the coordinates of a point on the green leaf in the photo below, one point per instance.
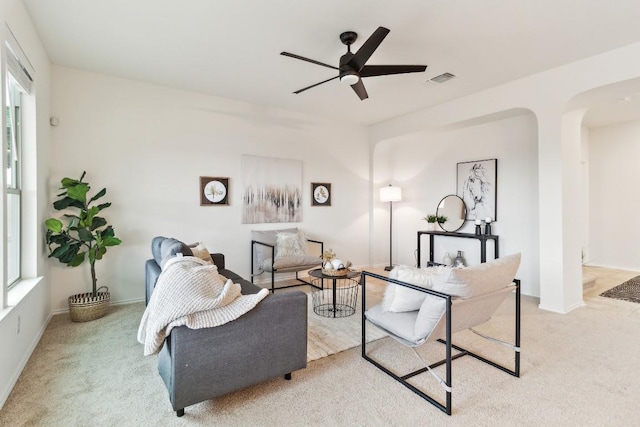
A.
x: 77, y: 260
x: 107, y: 232
x: 66, y: 252
x: 78, y: 192
x: 98, y: 222
x: 104, y: 206
x: 100, y: 251
x: 85, y: 235
x: 67, y: 202
x: 68, y: 182
x: 53, y: 224
x: 111, y: 241
x: 58, y: 239
x: 93, y: 211
x: 100, y: 194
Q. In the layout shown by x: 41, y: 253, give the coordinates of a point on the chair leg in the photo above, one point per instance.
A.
x: 287, y: 376
x: 180, y: 412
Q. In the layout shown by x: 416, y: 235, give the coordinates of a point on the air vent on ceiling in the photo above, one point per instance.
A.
x: 442, y: 78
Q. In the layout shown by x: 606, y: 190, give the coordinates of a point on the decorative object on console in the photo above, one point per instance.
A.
x: 446, y: 259
x: 487, y: 227
x: 431, y: 222
x: 320, y: 194
x: 451, y: 213
x: 214, y: 191
x: 85, y: 233
x: 478, y: 227
x: 390, y: 194
x: 477, y: 184
x: 459, y: 261
x: 272, y: 190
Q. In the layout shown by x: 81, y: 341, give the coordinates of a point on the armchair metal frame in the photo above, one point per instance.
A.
x: 288, y: 270
x: 447, y: 341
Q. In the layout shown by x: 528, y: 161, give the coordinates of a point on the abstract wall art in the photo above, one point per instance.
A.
x: 272, y: 190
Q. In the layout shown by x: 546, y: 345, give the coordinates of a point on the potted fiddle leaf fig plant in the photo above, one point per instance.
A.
x: 81, y: 234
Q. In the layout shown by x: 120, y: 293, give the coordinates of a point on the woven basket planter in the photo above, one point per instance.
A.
x: 85, y: 307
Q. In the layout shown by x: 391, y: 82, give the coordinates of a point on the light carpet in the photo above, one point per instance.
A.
x: 578, y: 369
x: 327, y: 336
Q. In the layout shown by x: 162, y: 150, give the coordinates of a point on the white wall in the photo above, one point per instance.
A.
x: 614, y: 199
x: 25, y: 318
x: 148, y: 145
x: 424, y: 165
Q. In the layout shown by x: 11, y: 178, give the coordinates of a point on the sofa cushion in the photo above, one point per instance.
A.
x: 288, y: 244
x: 480, y: 279
x: 199, y: 250
x: 164, y: 248
x: 292, y: 262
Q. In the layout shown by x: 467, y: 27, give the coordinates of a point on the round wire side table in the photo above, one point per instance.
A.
x: 339, y: 297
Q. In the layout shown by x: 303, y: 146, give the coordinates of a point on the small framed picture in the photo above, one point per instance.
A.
x: 214, y: 191
x: 320, y: 194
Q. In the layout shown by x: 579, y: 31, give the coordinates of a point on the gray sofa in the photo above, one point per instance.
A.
x: 268, y: 341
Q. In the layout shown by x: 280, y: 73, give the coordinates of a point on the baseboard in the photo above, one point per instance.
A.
x: 567, y: 311
x: 23, y: 363
x: 613, y: 267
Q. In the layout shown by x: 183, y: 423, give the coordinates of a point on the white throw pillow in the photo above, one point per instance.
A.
x: 431, y: 311
x: 288, y: 244
x: 201, y: 251
x: 399, y: 298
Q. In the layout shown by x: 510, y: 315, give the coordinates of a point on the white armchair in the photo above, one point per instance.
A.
x: 284, y: 251
x: 433, y: 310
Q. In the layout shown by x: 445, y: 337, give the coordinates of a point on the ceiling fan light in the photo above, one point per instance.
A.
x: 350, y: 78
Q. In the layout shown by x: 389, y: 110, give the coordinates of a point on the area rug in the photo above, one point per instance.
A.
x: 327, y: 336
x: 628, y: 291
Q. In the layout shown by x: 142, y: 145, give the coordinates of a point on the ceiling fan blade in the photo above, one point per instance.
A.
x: 302, y: 58
x: 359, y: 89
x: 383, y: 70
x: 366, y: 50
x: 317, y: 84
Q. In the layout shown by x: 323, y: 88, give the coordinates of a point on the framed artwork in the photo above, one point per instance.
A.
x: 214, y: 191
x: 320, y: 194
x: 272, y: 190
x: 477, y: 185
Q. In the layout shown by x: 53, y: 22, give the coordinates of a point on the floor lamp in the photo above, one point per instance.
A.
x: 390, y: 194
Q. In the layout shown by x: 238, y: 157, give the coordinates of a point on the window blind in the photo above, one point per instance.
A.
x: 18, y: 64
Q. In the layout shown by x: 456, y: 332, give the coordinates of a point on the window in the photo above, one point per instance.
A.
x: 16, y: 93
x: 13, y: 159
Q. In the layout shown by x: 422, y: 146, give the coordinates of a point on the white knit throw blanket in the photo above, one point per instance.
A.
x: 191, y: 292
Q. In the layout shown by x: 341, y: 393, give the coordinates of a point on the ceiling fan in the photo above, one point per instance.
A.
x: 352, y: 67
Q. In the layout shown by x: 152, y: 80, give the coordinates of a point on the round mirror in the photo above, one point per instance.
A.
x: 454, y: 210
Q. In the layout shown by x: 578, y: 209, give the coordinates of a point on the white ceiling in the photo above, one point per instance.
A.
x: 230, y: 48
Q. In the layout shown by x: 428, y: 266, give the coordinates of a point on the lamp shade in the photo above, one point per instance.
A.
x: 390, y: 194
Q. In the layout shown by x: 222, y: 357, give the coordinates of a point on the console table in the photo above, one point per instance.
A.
x: 481, y: 237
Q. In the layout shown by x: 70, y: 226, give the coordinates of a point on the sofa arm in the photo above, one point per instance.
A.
x: 218, y: 260
x: 266, y: 342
